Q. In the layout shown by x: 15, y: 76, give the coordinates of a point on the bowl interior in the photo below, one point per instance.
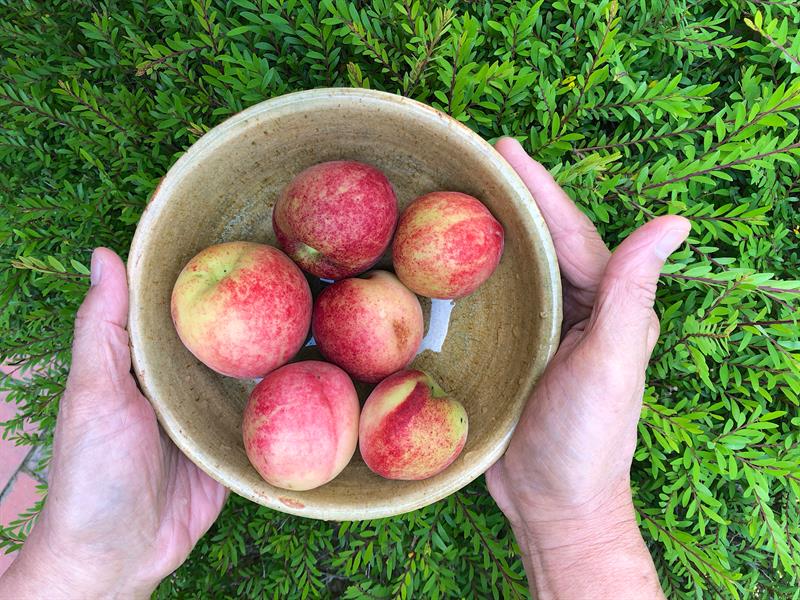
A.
x: 487, y: 349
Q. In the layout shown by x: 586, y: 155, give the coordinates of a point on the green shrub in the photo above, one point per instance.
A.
x: 640, y: 108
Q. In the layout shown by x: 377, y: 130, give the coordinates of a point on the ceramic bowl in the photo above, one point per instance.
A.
x: 487, y: 349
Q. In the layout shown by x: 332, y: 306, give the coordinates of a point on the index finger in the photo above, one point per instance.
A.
x: 582, y: 255
x: 100, y: 354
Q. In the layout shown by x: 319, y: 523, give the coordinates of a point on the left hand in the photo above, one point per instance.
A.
x: 125, y: 506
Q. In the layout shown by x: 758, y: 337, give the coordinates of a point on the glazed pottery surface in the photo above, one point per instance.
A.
x: 487, y: 350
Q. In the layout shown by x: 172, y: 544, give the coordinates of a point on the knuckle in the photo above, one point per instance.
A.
x: 642, y: 290
x: 632, y: 288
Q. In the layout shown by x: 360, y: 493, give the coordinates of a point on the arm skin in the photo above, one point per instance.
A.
x: 564, y: 481
x: 124, y: 506
x: 598, y: 553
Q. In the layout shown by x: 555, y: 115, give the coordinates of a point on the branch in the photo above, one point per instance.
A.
x: 709, y: 281
x: 48, y: 271
x: 365, y: 40
x: 209, y: 30
x: 584, y: 87
x: 688, y: 336
x: 68, y: 89
x: 642, y: 101
x: 779, y: 108
x: 688, y: 549
x: 733, y: 163
x: 451, y: 91
x: 755, y: 120
x: 781, y: 47
x: 509, y: 580
x: 145, y: 66
x: 430, y: 48
x: 767, y: 323
x: 646, y: 139
x: 41, y: 112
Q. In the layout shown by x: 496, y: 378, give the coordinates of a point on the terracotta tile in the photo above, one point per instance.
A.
x: 22, y: 496
x: 11, y: 455
x: 8, y: 410
x: 6, y: 560
x: 13, y: 369
x: 11, y: 459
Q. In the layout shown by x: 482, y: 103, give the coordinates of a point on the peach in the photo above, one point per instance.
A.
x: 370, y: 326
x: 446, y: 245
x: 410, y: 428
x: 300, y: 426
x: 242, y: 308
x: 336, y: 219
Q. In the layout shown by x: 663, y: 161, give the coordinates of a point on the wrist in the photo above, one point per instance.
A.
x: 549, y: 521
x: 537, y: 515
x: 581, y: 533
x: 47, y: 568
x: 584, y: 548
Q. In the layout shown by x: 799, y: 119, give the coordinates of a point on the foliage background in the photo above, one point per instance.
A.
x: 640, y: 108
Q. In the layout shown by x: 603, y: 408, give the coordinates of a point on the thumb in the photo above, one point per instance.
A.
x: 100, y: 356
x: 623, y: 320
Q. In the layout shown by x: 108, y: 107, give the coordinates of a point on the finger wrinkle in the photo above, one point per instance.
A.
x: 104, y: 358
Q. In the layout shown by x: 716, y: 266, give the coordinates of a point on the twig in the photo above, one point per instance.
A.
x: 709, y: 281
x: 421, y: 65
x: 732, y: 163
x: 485, y: 544
x: 66, y: 87
x: 688, y: 549
x: 781, y: 47
x: 161, y: 60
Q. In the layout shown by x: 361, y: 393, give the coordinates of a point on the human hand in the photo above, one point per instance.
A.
x: 124, y: 505
x: 564, y: 480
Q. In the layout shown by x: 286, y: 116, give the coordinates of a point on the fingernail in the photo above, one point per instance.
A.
x: 670, y: 241
x: 512, y: 140
x: 97, y: 269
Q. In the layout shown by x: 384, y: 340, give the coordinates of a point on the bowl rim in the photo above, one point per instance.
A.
x: 228, y: 128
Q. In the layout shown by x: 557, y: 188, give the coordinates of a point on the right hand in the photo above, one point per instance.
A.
x: 565, y: 476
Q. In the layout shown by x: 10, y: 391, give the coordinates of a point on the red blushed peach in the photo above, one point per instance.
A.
x: 410, y: 428
x: 242, y: 308
x: 336, y: 219
x: 300, y: 425
x: 447, y: 244
x: 370, y: 326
